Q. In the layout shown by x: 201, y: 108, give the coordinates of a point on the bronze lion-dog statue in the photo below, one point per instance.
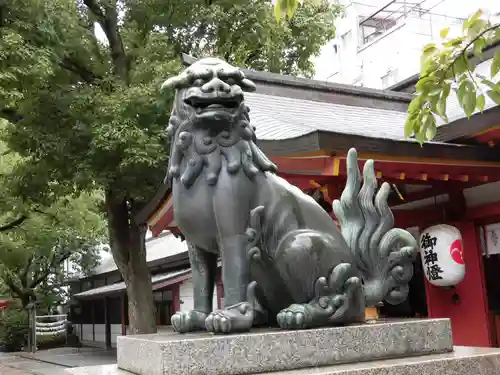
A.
x: 284, y: 260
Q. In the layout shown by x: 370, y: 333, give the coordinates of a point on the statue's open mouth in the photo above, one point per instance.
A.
x: 204, y: 104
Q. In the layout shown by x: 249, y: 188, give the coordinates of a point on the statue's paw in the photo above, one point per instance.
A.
x: 293, y: 317
x: 188, y: 321
x: 236, y: 318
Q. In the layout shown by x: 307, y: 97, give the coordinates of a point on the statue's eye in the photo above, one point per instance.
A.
x: 199, y: 82
x: 230, y: 81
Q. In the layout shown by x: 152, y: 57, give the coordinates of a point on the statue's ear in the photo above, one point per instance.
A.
x: 247, y: 85
x: 175, y: 82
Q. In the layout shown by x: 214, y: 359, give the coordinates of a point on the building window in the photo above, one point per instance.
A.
x: 390, y: 78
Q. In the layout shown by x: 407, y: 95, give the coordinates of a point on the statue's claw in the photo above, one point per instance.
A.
x: 236, y: 318
x: 293, y: 317
x: 188, y: 321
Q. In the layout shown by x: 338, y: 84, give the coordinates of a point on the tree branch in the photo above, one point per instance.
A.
x: 55, y: 260
x: 109, y: 23
x: 10, y: 114
x: 23, y: 276
x: 14, y: 223
x: 80, y: 70
x: 463, y: 52
x: 12, y: 285
x: 21, y: 219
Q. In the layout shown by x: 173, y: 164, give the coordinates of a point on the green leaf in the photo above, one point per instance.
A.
x: 415, y: 105
x: 495, y: 65
x: 409, y: 125
x: 487, y: 82
x: 429, y: 49
x: 444, y: 32
x: 441, y: 104
x: 431, y: 129
x: 472, y: 19
x: 426, y: 84
x: 467, y: 97
x: 278, y: 11
x: 460, y: 65
x: 454, y: 42
x: 494, y: 95
x: 476, y: 27
x: 480, y: 102
x: 478, y: 47
x: 292, y: 6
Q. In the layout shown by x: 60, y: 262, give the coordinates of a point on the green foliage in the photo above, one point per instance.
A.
x: 449, y: 66
x: 14, y: 329
x: 32, y: 253
x: 83, y: 124
x: 285, y: 9
x: 85, y: 112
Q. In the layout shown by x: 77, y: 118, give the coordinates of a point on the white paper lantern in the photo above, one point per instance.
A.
x: 441, y: 251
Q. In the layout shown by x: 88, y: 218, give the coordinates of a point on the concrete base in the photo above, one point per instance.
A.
x: 463, y: 361
x: 276, y: 350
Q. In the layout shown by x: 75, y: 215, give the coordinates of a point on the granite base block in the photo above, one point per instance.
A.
x: 463, y: 361
x: 275, y: 350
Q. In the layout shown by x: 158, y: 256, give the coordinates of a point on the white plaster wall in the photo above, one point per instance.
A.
x: 116, y: 330
x: 186, y: 295
x: 100, y: 333
x: 400, y: 48
x: 86, y: 332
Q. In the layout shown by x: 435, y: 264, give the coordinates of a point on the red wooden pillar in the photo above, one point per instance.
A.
x: 469, y: 314
x: 124, y: 314
x: 176, y: 297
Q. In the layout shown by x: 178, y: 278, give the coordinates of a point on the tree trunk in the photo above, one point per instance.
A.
x: 129, y: 252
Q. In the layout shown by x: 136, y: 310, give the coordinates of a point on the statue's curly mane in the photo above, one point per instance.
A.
x: 205, y: 149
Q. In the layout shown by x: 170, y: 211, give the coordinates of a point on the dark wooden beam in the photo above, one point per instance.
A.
x: 422, y: 194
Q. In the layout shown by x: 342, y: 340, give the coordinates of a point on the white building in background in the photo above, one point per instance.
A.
x: 379, y: 42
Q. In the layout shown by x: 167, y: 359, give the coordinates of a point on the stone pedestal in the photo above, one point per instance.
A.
x: 275, y: 350
x: 410, y: 347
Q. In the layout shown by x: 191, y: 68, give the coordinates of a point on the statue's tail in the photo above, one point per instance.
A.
x: 384, y: 255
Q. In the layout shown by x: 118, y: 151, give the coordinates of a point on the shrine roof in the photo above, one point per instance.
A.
x: 157, y: 281
x: 298, y: 116
x: 158, y: 250
x: 285, y: 109
x: 279, y: 118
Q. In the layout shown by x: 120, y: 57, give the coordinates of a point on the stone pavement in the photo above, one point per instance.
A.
x: 14, y: 365
x: 54, y: 361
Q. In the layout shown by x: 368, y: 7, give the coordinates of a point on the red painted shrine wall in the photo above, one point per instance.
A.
x: 470, y: 317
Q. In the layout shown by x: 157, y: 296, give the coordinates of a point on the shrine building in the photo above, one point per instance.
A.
x: 306, y: 127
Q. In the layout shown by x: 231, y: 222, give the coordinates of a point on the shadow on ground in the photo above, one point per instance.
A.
x: 73, y: 357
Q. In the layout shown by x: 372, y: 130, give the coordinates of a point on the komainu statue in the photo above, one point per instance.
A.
x: 284, y: 261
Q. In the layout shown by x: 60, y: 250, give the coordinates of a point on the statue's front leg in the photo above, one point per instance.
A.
x: 203, y: 270
x: 237, y: 314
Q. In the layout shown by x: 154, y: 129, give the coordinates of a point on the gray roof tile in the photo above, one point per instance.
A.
x: 278, y: 117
